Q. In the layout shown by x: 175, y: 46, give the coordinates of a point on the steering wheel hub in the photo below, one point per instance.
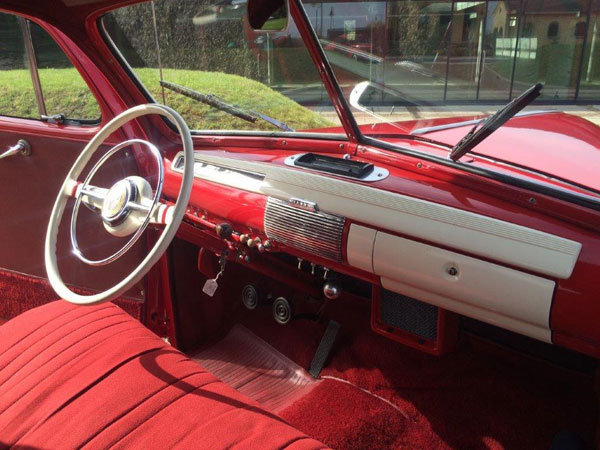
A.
x: 115, y: 207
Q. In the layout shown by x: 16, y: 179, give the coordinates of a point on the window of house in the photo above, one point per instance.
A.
x: 553, y: 30
x: 528, y: 30
x: 580, y: 30
x: 37, y: 79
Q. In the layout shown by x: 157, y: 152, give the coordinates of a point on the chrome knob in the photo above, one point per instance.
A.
x: 332, y: 290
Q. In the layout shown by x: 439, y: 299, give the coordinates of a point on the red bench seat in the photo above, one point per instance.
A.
x: 94, y: 377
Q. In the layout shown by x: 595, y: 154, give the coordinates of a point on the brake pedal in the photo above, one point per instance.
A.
x: 324, y: 348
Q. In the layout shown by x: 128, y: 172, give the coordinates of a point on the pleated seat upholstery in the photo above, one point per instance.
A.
x: 94, y: 377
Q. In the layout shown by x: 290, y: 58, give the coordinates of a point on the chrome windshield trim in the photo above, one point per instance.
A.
x: 277, y: 134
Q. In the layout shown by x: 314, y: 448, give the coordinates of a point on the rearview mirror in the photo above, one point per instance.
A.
x: 268, y: 15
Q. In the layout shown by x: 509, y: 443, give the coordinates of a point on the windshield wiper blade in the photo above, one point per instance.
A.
x: 274, y: 122
x: 210, y: 100
x: 216, y: 102
x: 495, y: 121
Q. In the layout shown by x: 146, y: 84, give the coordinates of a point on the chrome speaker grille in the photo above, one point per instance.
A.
x: 311, y: 231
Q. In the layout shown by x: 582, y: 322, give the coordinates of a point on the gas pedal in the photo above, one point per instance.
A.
x: 324, y: 348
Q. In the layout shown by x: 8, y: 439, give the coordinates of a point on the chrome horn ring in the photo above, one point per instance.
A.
x: 121, y: 211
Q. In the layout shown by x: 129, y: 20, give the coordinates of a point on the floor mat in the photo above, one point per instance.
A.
x: 253, y: 367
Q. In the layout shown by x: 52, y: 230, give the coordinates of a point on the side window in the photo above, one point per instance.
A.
x: 37, y: 80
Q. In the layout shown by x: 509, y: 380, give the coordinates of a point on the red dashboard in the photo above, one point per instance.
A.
x: 556, y: 302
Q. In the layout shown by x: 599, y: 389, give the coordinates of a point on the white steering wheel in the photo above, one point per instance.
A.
x: 127, y: 208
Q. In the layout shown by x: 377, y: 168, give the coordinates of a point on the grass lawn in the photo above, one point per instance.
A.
x: 65, y: 92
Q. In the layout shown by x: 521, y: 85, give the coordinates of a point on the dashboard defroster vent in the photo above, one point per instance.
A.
x: 314, y: 232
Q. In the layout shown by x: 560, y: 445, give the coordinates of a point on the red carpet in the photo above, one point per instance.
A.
x: 19, y: 293
x: 345, y: 417
x: 477, y: 398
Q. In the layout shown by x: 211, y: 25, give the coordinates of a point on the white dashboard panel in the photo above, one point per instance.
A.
x: 470, y: 286
x: 504, y: 297
x: 359, y: 249
x: 465, y: 231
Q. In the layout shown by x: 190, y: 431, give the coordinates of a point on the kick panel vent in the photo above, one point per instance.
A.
x: 409, y: 314
x: 311, y: 231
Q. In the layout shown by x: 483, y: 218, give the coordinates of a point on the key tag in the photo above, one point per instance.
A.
x: 211, y: 285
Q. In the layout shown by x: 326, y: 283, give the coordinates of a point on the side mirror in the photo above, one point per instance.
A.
x: 268, y: 15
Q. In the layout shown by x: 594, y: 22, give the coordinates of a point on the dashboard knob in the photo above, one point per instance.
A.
x: 243, y: 238
x: 251, y: 242
x: 224, y: 230
x: 260, y: 248
x: 332, y: 290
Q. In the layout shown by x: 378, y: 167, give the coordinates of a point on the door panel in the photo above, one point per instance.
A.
x: 29, y: 188
x: 36, y: 80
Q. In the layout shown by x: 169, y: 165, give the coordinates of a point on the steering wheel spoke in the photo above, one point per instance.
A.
x: 162, y: 214
x: 93, y: 197
x: 72, y: 188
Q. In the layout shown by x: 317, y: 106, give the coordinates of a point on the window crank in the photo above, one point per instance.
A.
x: 22, y: 147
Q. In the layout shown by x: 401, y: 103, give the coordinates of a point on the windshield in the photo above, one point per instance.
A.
x: 418, y: 76
x: 203, y: 59
x: 407, y: 66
